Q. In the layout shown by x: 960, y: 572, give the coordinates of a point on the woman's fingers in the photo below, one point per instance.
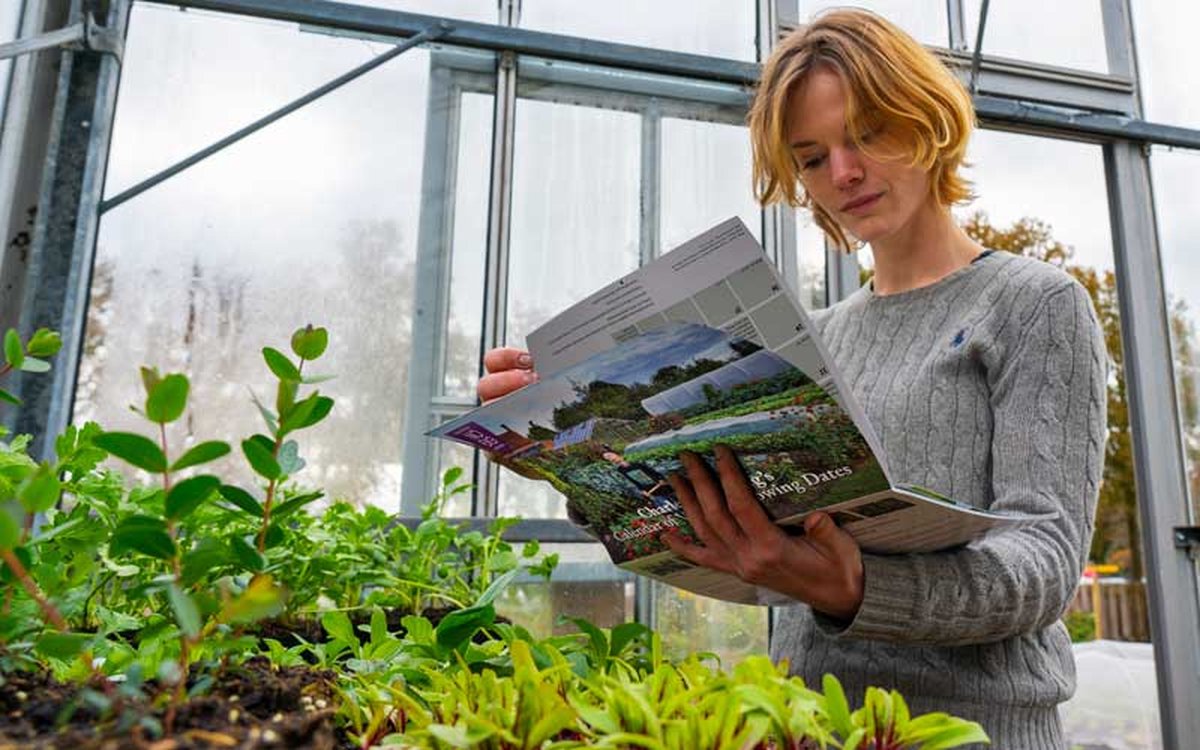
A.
x: 507, y: 358
x: 499, y: 384
x: 747, y: 512
x: 711, y: 499
x: 829, y: 540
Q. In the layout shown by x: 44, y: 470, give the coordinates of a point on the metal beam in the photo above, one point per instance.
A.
x: 435, y: 31
x: 1044, y: 120
x: 977, y: 54
x: 1158, y: 456
x: 485, y: 36
x: 64, y: 239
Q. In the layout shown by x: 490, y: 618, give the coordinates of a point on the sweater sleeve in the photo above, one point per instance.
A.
x: 1048, y: 401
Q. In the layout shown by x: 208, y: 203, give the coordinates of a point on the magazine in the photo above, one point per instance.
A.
x: 705, y: 345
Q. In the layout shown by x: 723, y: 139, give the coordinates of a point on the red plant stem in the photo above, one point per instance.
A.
x: 5, y: 369
x: 271, y: 486
x: 34, y: 592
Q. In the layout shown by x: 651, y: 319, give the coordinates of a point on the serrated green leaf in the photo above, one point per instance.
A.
x: 280, y: 365
x: 34, y: 365
x: 187, y: 614
x: 61, y: 645
x: 14, y: 354
x: 339, y: 627
x: 167, y: 399
x: 260, y: 459
x: 8, y: 397
x: 44, y: 343
x: 242, y: 499
x: 24, y: 557
x: 10, y: 524
x: 187, y: 495
x: 136, y: 449
x: 144, y: 534
x: 309, y: 343
x: 246, y: 554
x: 201, y: 453
x: 40, y: 490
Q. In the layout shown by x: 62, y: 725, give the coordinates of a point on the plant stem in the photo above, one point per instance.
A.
x: 31, y: 588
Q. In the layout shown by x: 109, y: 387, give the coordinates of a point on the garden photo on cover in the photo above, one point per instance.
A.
x: 608, y: 431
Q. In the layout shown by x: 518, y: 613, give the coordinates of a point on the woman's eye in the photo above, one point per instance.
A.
x: 812, y: 162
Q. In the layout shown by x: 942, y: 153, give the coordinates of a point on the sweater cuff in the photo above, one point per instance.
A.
x: 890, y: 591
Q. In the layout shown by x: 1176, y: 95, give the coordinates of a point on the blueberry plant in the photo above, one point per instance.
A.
x: 148, y: 601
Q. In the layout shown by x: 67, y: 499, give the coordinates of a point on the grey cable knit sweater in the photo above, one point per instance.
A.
x: 988, y: 386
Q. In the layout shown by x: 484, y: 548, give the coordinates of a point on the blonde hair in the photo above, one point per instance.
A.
x: 890, y: 81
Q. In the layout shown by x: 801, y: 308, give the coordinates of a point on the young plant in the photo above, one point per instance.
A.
x: 29, y: 356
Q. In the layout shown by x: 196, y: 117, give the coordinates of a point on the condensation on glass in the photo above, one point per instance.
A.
x: 720, y: 28
x: 689, y: 622
x: 1168, y: 58
x: 705, y: 179
x: 585, y: 584
x: 311, y: 220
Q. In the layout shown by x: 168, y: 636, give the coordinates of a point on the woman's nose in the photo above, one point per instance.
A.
x: 845, y: 167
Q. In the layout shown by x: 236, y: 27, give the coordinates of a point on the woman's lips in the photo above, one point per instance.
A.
x: 863, y: 204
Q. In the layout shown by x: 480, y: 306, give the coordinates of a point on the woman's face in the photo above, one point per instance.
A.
x: 872, y: 199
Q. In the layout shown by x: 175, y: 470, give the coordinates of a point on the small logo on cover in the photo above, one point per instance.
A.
x: 959, y: 338
x: 479, y: 436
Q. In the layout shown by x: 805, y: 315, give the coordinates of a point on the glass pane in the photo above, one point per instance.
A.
x: 1068, y: 34
x: 470, y: 245
x: 721, y: 28
x: 313, y: 219
x: 575, y: 207
x: 1168, y: 57
x: 1179, y: 225
x: 483, y: 11
x: 451, y: 455
x: 810, y: 254
x: 585, y: 584
x: 689, y: 622
x: 705, y: 179
x: 925, y: 20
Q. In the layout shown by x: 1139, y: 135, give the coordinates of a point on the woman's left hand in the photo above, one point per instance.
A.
x: 822, y: 568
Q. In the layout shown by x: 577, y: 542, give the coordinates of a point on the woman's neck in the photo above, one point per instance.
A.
x: 929, y: 248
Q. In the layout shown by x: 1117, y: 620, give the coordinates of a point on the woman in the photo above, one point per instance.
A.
x: 982, y: 373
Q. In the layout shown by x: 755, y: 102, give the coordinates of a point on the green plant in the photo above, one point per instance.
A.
x: 1081, y: 626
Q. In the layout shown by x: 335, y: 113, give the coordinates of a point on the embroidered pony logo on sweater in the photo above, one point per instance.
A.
x: 959, y: 338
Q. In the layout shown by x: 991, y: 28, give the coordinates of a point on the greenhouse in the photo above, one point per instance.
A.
x: 256, y: 250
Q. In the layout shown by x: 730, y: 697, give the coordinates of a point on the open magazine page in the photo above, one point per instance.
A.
x: 721, y: 278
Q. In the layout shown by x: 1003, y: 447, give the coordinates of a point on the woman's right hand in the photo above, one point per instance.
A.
x: 508, y: 369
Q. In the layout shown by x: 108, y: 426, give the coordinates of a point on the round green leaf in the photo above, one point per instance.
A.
x: 14, y: 354
x: 242, y: 499
x: 138, y: 450
x: 44, y: 343
x: 35, y: 365
x: 187, y: 614
x: 201, y: 453
x: 40, y: 491
x: 261, y: 460
x: 167, y: 399
x: 246, y: 554
x: 61, y: 645
x: 309, y: 343
x: 186, y: 496
x: 280, y: 364
x: 144, y: 534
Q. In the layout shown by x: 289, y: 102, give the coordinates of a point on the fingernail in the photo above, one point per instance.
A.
x: 531, y: 377
x: 524, y: 360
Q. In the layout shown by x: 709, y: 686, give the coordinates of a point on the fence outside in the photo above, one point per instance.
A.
x: 1119, y: 605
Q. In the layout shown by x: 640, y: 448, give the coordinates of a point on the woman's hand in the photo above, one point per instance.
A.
x: 823, y: 568
x: 508, y: 370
